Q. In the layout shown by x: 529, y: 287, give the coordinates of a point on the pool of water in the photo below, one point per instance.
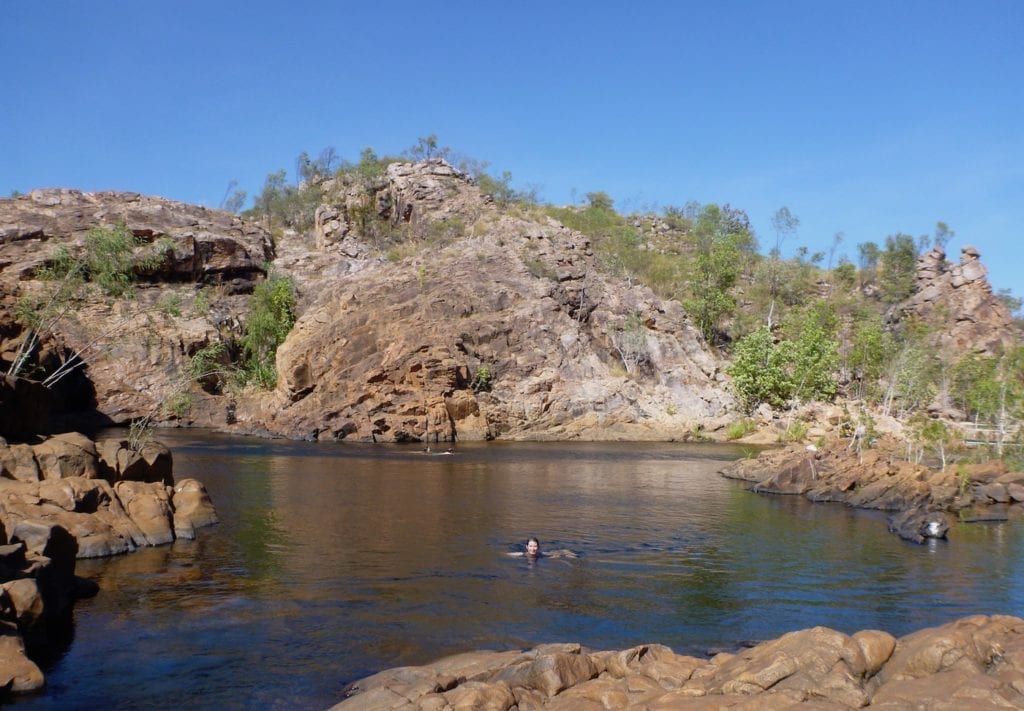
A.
x: 335, y: 561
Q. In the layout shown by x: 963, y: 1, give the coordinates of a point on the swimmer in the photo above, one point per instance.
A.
x: 533, y: 551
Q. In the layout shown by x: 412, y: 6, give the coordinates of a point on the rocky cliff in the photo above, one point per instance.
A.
x: 497, y: 325
x: 135, y: 348
x: 479, y: 321
x: 427, y: 312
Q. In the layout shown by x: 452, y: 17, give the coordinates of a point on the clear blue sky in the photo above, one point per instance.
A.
x: 865, y: 117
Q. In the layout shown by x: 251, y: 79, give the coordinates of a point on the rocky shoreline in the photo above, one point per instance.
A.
x: 924, y: 500
x: 973, y: 663
x: 67, y: 497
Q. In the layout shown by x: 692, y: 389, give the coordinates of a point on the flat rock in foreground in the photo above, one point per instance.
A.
x: 973, y: 663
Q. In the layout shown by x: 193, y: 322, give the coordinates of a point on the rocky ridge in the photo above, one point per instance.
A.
x: 506, y: 328
x: 881, y: 478
x: 483, y: 322
x: 973, y: 663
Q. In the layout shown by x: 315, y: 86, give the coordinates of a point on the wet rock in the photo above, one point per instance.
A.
x: 192, y: 508
x: 149, y: 508
x: 915, y: 525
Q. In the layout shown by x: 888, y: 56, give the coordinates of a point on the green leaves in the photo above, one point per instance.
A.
x: 271, y: 317
x: 775, y: 373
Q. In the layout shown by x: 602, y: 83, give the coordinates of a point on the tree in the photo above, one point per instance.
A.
x: 600, y: 200
x: 942, y: 235
x: 868, y: 254
x: 785, y: 224
x: 837, y: 239
x: 719, y: 237
x: 898, y: 268
x: 630, y: 341
x: 427, y: 148
x: 759, y: 370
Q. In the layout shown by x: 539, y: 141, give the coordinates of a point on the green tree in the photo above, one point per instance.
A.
x: 868, y: 255
x: 898, y: 268
x: 718, y: 238
x: 758, y: 370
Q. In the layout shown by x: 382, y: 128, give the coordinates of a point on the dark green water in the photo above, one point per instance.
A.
x: 335, y: 561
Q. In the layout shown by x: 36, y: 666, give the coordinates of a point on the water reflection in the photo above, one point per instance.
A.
x: 332, y: 562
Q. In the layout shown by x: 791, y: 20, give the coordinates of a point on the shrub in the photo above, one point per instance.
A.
x: 482, y: 379
x: 740, y: 428
x: 271, y: 317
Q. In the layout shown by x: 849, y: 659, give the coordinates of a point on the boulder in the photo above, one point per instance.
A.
x: 150, y: 463
x: 149, y: 507
x: 25, y: 601
x: 192, y: 508
x: 18, y: 462
x: 66, y: 455
x: 18, y: 673
x: 977, y: 662
x: 916, y: 525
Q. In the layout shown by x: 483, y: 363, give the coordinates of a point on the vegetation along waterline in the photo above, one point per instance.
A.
x: 420, y: 299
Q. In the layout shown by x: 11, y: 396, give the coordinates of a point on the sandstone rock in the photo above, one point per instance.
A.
x: 18, y: 462
x: 951, y: 690
x: 17, y: 672
x: 476, y: 695
x: 877, y: 647
x: 149, y: 508
x: 958, y: 301
x: 549, y: 673
x: 66, y: 455
x: 977, y: 662
x: 972, y: 645
x: 26, y: 601
x: 192, y: 508
x: 152, y: 463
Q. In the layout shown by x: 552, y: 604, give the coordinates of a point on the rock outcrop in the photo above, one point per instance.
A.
x: 506, y: 329
x: 976, y: 662
x: 111, y: 497
x: 209, y: 246
x: 958, y: 300
x: 479, y: 323
x: 881, y: 478
x: 66, y: 497
x: 157, y: 331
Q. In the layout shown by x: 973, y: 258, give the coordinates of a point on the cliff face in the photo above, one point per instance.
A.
x: 135, y: 348
x: 481, y: 323
x: 427, y: 312
x: 501, y: 327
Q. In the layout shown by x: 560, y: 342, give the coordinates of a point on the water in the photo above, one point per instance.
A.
x: 334, y: 561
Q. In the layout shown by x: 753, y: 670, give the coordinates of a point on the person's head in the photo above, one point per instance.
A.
x: 533, y: 547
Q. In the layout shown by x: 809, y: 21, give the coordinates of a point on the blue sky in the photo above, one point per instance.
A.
x: 869, y: 118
